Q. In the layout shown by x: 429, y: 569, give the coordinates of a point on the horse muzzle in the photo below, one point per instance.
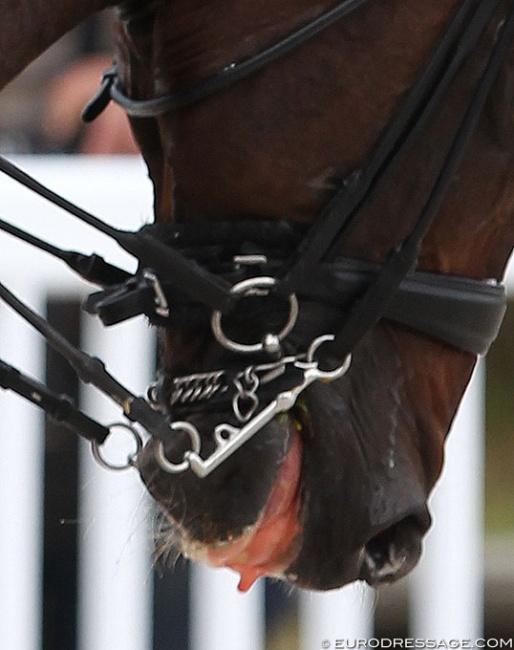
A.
x: 269, y: 511
x: 244, y: 514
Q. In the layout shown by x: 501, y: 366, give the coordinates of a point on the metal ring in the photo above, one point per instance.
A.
x: 177, y: 468
x: 249, y: 287
x: 329, y: 375
x: 96, y: 448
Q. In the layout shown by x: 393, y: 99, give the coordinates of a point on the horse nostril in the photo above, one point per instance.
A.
x: 394, y: 551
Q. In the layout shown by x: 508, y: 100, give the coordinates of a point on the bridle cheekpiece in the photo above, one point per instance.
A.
x: 201, y: 273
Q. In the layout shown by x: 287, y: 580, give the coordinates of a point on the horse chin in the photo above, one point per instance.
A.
x: 245, y: 514
x: 267, y: 547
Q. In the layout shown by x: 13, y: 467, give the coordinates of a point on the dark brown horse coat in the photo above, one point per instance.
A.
x: 364, y: 452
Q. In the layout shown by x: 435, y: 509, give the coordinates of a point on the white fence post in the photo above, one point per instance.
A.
x: 221, y: 617
x: 117, y: 189
x: 447, y: 586
x: 344, y: 614
x: 21, y: 492
x: 115, y: 579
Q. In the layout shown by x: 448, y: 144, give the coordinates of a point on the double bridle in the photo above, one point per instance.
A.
x: 204, y: 273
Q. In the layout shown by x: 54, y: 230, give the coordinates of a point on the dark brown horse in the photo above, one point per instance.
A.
x: 337, y: 490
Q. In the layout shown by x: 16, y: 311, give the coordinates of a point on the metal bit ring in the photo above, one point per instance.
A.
x: 160, y: 455
x: 337, y: 372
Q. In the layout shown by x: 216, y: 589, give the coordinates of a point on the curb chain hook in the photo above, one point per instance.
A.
x: 246, y: 401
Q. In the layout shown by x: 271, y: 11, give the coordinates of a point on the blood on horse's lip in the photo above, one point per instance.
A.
x: 270, y: 545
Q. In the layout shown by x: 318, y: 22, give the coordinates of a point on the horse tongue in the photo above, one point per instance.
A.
x: 269, y: 547
x: 247, y: 577
x: 272, y: 548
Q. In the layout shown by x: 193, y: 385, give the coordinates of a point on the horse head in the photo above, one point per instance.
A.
x: 335, y: 489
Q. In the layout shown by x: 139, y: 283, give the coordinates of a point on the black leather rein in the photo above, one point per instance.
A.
x: 188, y: 272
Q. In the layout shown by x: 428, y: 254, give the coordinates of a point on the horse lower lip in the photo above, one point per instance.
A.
x: 268, y: 547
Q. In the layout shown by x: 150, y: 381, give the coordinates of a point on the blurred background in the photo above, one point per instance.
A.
x: 40, y: 110
x: 40, y: 114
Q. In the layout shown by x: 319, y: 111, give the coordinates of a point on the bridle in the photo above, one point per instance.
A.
x: 203, y: 273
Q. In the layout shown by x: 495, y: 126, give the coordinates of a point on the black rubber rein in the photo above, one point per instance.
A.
x: 58, y: 407
x: 92, y: 268
x: 168, y: 264
x: 92, y: 371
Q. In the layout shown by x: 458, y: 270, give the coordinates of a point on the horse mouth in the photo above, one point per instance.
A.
x: 267, y: 547
x: 271, y: 545
x: 279, y: 540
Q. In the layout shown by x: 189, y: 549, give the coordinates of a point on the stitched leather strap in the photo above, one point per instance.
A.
x: 230, y: 75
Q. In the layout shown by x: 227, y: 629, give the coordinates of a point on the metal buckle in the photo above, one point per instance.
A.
x: 161, y: 304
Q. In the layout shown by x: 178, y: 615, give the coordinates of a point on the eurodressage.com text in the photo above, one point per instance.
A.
x: 453, y: 644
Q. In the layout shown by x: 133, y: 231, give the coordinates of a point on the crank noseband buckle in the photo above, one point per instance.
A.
x: 228, y: 438
x: 257, y: 286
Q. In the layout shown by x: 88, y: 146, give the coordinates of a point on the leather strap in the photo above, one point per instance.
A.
x: 373, y: 304
x: 92, y: 371
x: 461, y: 312
x: 59, y: 407
x: 168, y: 263
x: 464, y: 312
x: 343, y: 210
x: 231, y: 74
